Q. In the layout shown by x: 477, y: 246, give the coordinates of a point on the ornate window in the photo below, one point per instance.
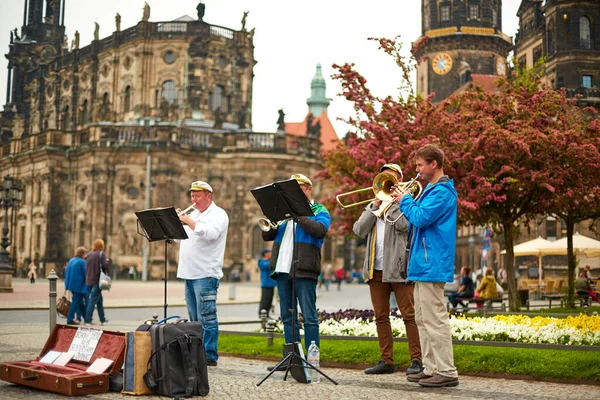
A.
x: 218, y: 97
x: 65, y: 119
x: 585, y: 37
x: 551, y: 40
x: 473, y: 11
x: 169, y: 91
x: 257, y: 242
x: 81, y: 232
x: 38, y: 237
x: 537, y: 53
x: 445, y: 13
x: 426, y: 17
x: 494, y: 17
x: 170, y: 57
x: 127, y: 99
x: 85, y: 113
x: 22, y: 237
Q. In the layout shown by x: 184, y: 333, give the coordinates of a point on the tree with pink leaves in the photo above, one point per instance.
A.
x: 502, y: 148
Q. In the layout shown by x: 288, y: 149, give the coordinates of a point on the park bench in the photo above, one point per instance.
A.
x: 487, y: 304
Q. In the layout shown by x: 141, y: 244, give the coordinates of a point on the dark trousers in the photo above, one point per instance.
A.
x: 78, y: 307
x: 380, y: 297
x: 266, y: 299
x: 455, y: 299
x: 95, y: 300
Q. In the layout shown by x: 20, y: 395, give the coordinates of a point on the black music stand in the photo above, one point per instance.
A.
x: 161, y: 224
x: 280, y: 201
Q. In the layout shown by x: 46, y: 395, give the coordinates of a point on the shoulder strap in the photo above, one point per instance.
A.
x: 189, y: 364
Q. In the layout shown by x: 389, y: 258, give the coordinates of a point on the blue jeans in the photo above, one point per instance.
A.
x: 455, y: 299
x: 94, y: 300
x: 201, y: 301
x: 306, y: 295
x: 78, y: 307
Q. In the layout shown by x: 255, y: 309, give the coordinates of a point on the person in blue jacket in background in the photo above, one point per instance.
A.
x: 75, y: 283
x: 432, y: 238
x: 267, y: 284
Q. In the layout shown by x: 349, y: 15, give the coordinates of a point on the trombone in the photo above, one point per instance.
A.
x: 384, y: 186
x: 266, y: 225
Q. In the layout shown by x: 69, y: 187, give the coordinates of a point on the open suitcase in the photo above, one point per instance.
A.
x: 72, y: 379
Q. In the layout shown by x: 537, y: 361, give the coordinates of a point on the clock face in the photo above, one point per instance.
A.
x: 500, y: 67
x: 442, y: 63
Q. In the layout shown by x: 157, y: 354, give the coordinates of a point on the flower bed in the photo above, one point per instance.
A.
x: 580, y: 330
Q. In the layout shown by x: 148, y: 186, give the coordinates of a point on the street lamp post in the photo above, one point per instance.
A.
x: 11, y: 192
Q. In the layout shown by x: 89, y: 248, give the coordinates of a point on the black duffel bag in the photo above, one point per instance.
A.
x: 177, y: 366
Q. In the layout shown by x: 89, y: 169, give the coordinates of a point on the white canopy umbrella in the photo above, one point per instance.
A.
x: 581, y: 244
x: 595, y: 253
x: 532, y: 248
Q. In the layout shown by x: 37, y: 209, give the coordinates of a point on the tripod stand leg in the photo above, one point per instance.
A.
x: 286, y: 360
x: 309, y: 365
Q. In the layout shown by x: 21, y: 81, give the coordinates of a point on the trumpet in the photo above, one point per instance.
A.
x: 412, y: 187
x: 187, y: 211
x: 266, y: 225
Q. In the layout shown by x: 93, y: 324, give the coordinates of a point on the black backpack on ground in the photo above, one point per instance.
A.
x: 177, y: 366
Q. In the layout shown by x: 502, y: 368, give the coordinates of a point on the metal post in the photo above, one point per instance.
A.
x: 263, y: 319
x: 147, y: 184
x: 270, y: 331
x: 52, y: 278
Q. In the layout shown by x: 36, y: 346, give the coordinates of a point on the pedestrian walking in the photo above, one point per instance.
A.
x: 95, y: 262
x: 32, y: 274
x: 75, y: 283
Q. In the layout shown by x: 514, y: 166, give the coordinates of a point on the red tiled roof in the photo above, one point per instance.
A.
x: 328, y: 135
x: 487, y: 82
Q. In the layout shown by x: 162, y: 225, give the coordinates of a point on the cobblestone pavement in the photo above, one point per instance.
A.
x: 236, y: 378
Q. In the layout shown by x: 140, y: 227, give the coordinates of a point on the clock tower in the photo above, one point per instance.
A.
x: 460, y: 40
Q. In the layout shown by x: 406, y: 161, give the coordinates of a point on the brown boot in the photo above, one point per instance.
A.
x: 438, y: 380
x: 417, y: 377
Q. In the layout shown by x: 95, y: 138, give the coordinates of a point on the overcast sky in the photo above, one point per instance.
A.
x: 291, y: 38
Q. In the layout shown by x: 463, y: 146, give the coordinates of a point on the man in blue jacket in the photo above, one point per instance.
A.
x: 432, y: 248
x: 75, y: 283
x: 309, y: 236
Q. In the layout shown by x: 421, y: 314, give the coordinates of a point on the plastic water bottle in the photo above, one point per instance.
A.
x: 312, y: 357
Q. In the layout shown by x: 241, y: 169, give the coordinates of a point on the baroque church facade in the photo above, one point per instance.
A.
x: 95, y: 133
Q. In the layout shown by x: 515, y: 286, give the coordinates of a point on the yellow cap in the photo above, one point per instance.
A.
x: 393, y: 167
x: 200, y: 185
x: 302, y: 179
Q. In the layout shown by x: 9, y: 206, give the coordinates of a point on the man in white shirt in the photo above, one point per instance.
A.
x: 201, y: 262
